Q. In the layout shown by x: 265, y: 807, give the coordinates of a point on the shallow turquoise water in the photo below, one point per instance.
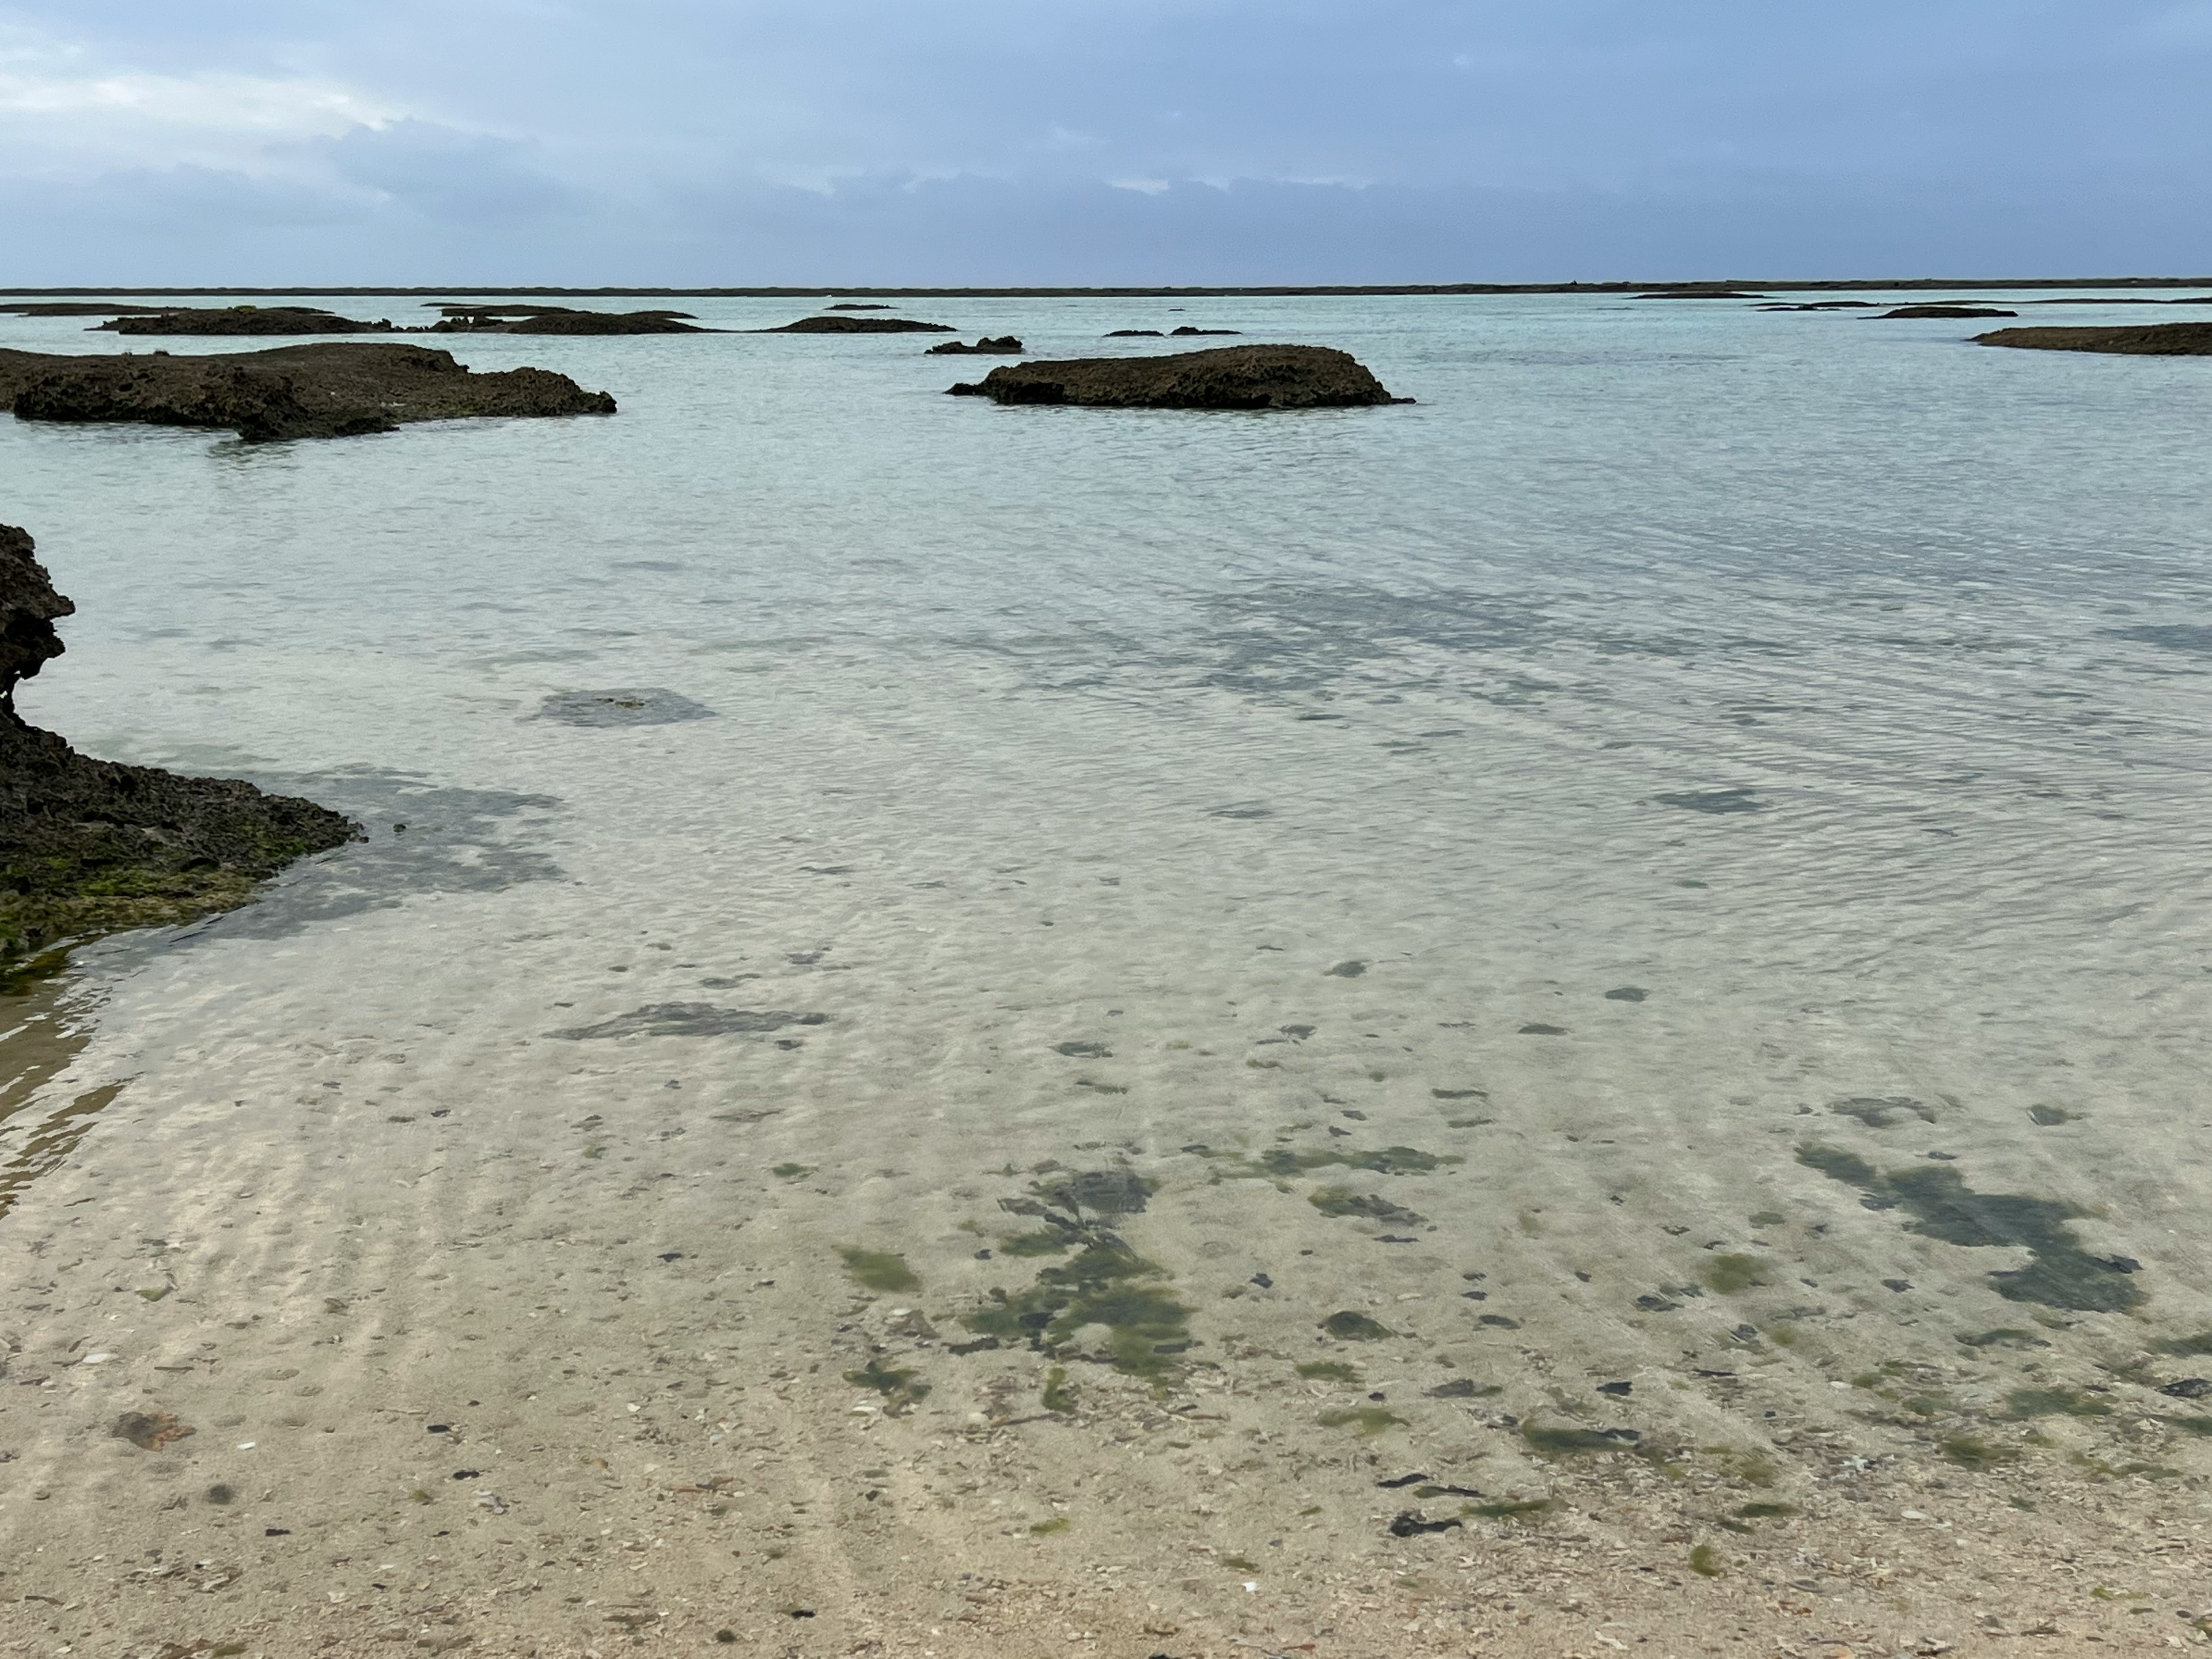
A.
x: 1837, y: 684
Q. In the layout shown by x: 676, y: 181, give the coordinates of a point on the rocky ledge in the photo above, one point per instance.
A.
x: 1226, y: 377
x: 88, y: 847
x: 240, y: 319
x: 291, y: 392
x: 989, y: 346
x: 859, y: 326
x: 2150, y: 340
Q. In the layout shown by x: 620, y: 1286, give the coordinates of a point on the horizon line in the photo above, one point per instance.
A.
x: 1117, y: 292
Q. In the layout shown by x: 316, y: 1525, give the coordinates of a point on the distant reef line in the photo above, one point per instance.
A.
x: 1288, y: 291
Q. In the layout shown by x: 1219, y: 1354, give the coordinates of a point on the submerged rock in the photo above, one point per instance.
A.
x: 2150, y: 340
x: 1226, y: 377
x: 1134, y: 334
x: 291, y: 392
x: 239, y: 319
x: 635, y: 705
x: 1944, y: 311
x: 987, y: 346
x: 1186, y: 328
x: 859, y: 326
x: 88, y: 847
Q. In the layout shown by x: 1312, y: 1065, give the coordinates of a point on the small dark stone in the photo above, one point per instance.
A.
x: 1263, y: 1281
x: 2190, y: 1388
x: 1618, y: 1390
x: 1900, y: 1286
x: 1412, y: 1523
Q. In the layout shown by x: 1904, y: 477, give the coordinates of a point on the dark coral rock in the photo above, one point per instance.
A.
x: 2152, y: 340
x: 240, y: 319
x: 321, y: 391
x: 1944, y: 311
x: 1227, y: 377
x: 1000, y: 345
x: 859, y: 326
x: 88, y: 847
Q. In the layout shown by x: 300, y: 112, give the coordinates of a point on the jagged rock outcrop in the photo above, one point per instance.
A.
x: 1186, y: 328
x: 2150, y: 340
x: 859, y: 326
x: 1226, y: 377
x: 239, y: 319
x: 321, y: 391
x: 88, y: 847
x: 989, y: 346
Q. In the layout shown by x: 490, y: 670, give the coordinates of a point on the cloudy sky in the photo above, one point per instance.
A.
x: 846, y: 142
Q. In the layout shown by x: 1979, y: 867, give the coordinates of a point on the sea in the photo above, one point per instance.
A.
x: 1682, y: 738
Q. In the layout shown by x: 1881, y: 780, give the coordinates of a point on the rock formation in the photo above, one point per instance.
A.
x: 987, y: 346
x: 560, y: 319
x: 291, y: 392
x: 1184, y: 329
x: 88, y: 847
x: 1133, y: 334
x: 1225, y: 376
x: 859, y: 326
x: 239, y: 319
x: 2149, y: 340
x: 1943, y: 311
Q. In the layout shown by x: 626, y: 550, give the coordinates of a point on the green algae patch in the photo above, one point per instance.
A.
x: 1732, y: 1275
x: 1283, y: 1163
x: 1343, y: 1201
x: 2054, y: 1402
x: 1371, y: 1420
x: 1566, y: 1442
x: 2060, y: 1273
x: 1045, y: 1529
x: 792, y: 1171
x: 1705, y: 1561
x: 1043, y: 1242
x: 1058, y: 1396
x: 1329, y: 1371
x: 879, y: 1270
x: 1978, y: 1455
x: 1350, y: 1327
x: 902, y: 1389
x: 2185, y: 1347
x: 1106, y: 1284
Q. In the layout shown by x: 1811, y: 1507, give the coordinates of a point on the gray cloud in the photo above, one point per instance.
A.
x: 667, y: 139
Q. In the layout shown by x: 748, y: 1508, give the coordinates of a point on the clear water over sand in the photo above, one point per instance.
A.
x: 1689, y: 777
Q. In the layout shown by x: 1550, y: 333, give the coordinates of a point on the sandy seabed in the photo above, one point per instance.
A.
x: 882, y: 1219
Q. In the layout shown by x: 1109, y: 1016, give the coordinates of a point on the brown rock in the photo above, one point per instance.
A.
x: 859, y: 326
x: 1226, y: 377
x: 1003, y: 345
x: 1943, y: 311
x: 2151, y: 340
x: 320, y: 391
x: 239, y: 319
x: 88, y: 847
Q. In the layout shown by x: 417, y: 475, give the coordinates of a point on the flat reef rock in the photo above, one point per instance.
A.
x: 1943, y: 311
x: 2150, y: 340
x: 1226, y: 377
x: 239, y: 319
x: 320, y: 391
x: 560, y: 320
x: 859, y: 326
x: 88, y: 847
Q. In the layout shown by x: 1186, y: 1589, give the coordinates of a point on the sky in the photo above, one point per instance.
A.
x: 848, y: 142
